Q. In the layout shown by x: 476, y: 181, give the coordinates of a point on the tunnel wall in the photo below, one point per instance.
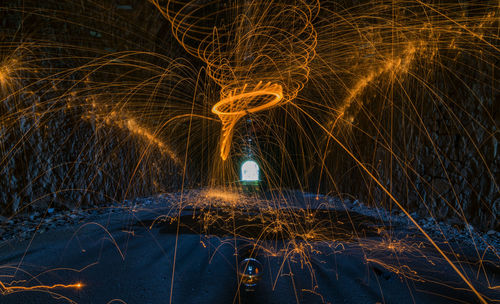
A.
x: 59, y: 145
x: 438, y: 154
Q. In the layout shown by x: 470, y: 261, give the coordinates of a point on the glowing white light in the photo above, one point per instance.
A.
x: 249, y: 171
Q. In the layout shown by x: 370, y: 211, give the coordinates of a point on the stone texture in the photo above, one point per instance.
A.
x: 56, y: 150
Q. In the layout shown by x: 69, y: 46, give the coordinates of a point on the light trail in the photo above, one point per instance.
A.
x: 406, y: 89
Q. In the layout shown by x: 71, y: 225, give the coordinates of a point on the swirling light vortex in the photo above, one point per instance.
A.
x: 236, y: 105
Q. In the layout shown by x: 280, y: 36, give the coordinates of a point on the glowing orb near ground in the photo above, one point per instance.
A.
x: 250, y: 271
x: 250, y: 171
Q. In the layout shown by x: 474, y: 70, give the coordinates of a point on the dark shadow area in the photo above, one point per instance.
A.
x: 276, y: 224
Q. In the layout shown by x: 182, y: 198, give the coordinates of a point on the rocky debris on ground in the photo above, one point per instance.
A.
x: 25, y: 226
x: 461, y: 235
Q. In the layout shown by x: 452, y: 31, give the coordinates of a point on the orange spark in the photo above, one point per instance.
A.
x: 238, y: 103
x: 5, y: 289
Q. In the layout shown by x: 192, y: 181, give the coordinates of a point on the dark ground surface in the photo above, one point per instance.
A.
x: 356, y: 258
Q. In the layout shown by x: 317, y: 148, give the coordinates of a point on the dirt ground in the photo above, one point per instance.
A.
x: 122, y: 257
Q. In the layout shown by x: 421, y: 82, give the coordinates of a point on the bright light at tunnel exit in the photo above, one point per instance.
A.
x: 249, y: 171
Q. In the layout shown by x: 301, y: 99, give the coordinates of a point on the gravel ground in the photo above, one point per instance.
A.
x: 121, y: 257
x: 23, y: 226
